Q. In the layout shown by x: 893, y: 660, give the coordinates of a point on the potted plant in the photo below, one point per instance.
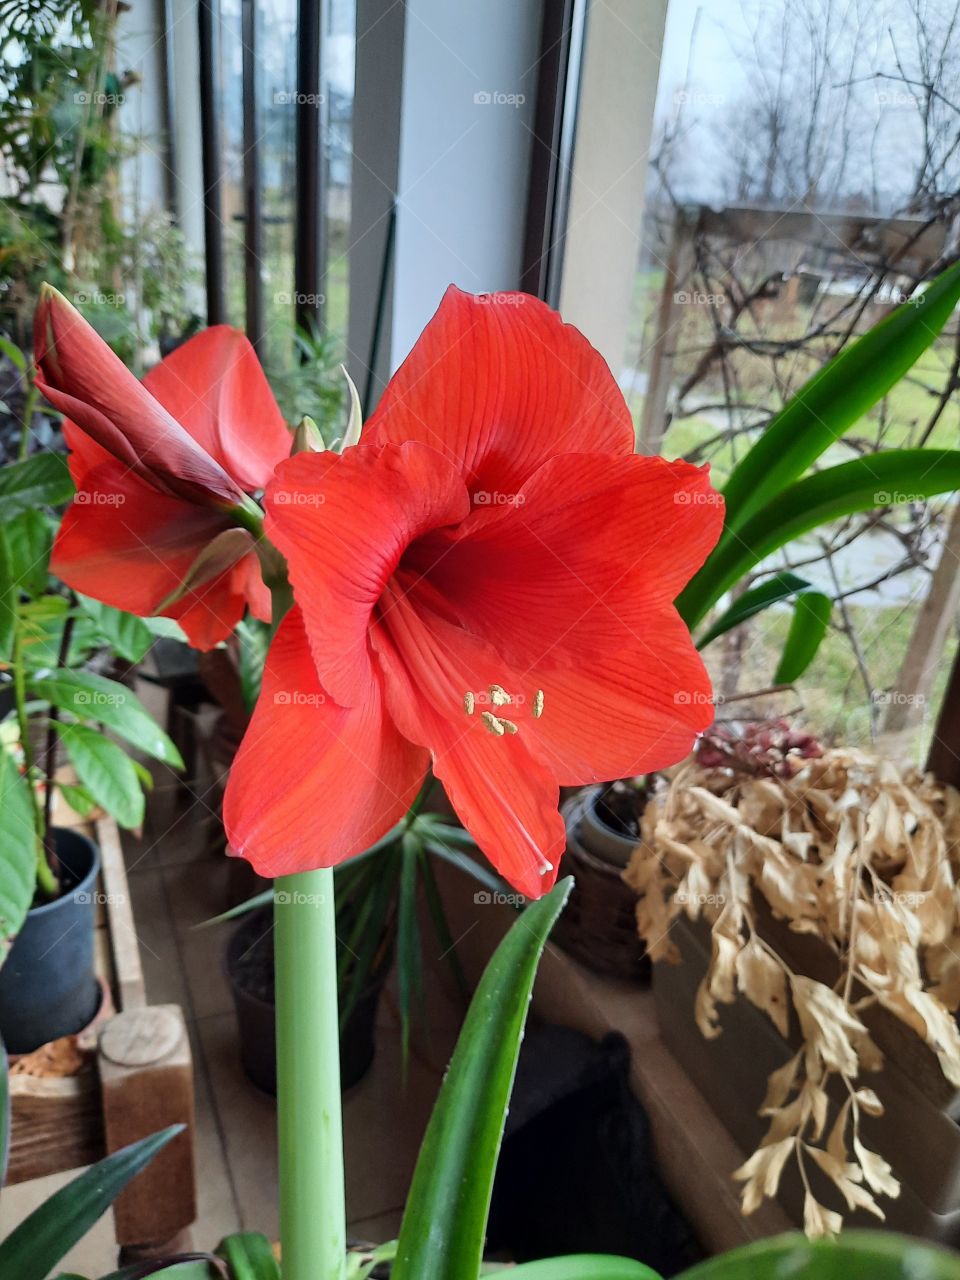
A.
x: 823, y: 883
x: 56, y: 711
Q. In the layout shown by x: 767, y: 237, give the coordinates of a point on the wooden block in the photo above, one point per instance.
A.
x: 128, y: 972
x: 146, y: 1076
x: 56, y: 1124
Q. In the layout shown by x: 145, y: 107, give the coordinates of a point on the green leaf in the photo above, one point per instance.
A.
x: 409, y: 955
x: 811, y: 617
x: 856, y: 1255
x: 40, y: 481
x: 34, y: 1248
x: 582, y: 1266
x: 127, y: 635
x: 253, y: 637
x: 780, y: 587
x: 446, y: 1214
x: 249, y: 1257
x: 27, y: 541
x: 94, y: 698
x: 836, y: 397
x: 882, y: 479
x: 106, y: 772
x: 13, y: 352
x: 18, y: 851
x: 79, y: 800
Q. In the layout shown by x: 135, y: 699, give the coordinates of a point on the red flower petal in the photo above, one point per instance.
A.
x: 498, y: 384
x: 123, y: 542
x: 578, y: 562
x: 107, y: 402
x: 343, y: 523
x: 314, y: 783
x: 214, y: 386
x: 503, y: 794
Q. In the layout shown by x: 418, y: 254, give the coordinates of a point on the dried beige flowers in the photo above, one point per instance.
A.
x: 848, y: 850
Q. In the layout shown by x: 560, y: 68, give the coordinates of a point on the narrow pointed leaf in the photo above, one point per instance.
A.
x: 446, y: 1215
x: 34, y: 1248
x: 782, y: 586
x: 811, y: 617
x: 861, y: 485
x: 836, y: 397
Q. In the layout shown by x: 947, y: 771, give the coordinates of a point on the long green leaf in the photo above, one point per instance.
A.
x: 811, y: 617
x: 856, y: 1255
x: 18, y: 851
x: 106, y: 772
x: 582, y: 1266
x: 883, y: 479
x: 34, y: 1248
x: 835, y: 397
x: 446, y: 1215
x: 249, y: 1257
x: 91, y: 697
x: 409, y: 953
x: 40, y: 481
x: 780, y: 587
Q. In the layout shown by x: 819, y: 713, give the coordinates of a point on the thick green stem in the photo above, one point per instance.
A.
x: 312, y: 1206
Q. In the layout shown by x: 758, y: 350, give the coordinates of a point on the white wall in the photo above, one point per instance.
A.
x: 464, y: 161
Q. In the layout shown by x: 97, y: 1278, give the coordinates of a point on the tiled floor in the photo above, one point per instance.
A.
x: 175, y: 884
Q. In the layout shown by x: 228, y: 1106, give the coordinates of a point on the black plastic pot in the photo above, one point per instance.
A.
x: 256, y: 1011
x: 48, y: 985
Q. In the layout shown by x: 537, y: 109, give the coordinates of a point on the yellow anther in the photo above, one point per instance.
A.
x: 499, y: 696
x: 538, y: 704
x: 468, y: 703
x: 492, y: 723
x: 508, y: 725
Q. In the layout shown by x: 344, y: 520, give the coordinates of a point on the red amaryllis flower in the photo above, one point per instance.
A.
x: 163, y: 470
x: 485, y: 582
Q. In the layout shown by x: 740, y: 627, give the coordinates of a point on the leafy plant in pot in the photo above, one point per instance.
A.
x: 52, y: 739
